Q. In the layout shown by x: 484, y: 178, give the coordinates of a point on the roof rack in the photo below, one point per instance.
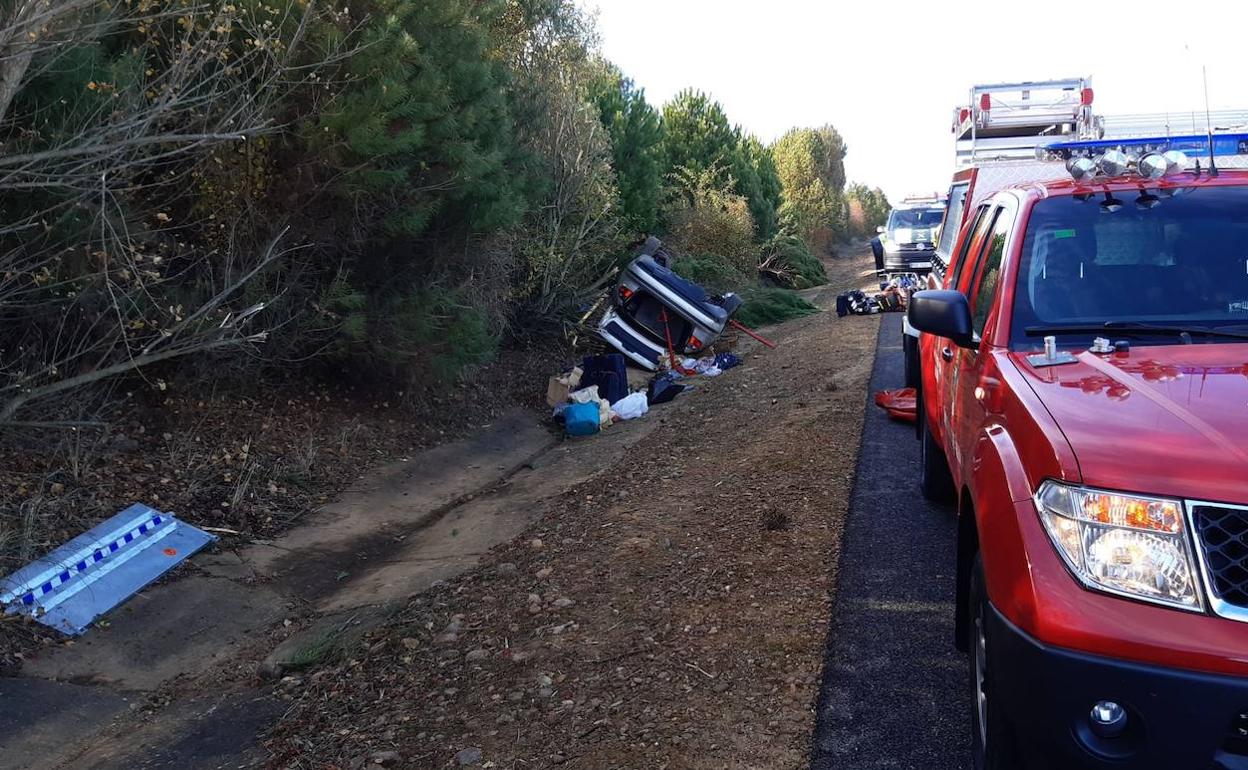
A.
x: 1173, y: 123
x: 1008, y: 121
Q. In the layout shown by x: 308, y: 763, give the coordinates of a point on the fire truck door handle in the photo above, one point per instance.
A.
x: 946, y: 353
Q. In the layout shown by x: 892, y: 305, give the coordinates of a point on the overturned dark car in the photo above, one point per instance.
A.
x: 655, y: 313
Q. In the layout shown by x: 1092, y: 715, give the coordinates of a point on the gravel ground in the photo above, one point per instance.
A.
x: 671, y: 613
x: 895, y: 694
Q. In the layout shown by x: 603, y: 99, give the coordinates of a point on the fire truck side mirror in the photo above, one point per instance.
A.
x: 944, y: 313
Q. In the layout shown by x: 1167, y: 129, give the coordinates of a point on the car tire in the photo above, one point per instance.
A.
x: 910, y: 354
x: 935, y: 480
x: 992, y: 745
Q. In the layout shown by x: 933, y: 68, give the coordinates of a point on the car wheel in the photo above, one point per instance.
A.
x: 992, y: 745
x: 935, y: 480
x: 910, y: 352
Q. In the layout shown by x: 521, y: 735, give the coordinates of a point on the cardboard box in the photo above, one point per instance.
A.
x: 561, y: 386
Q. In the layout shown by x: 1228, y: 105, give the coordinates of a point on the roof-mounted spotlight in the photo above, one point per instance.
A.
x: 1154, y: 166
x: 1081, y: 168
x: 1177, y: 159
x: 1114, y: 163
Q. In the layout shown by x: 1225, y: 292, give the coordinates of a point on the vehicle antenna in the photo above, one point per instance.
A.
x: 1213, y: 166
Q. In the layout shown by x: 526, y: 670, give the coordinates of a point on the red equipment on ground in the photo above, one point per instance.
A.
x: 900, y: 404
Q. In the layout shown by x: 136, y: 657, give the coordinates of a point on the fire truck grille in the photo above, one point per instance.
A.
x: 1223, y: 534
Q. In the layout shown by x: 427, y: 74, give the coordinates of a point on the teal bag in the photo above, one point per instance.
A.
x: 581, y: 419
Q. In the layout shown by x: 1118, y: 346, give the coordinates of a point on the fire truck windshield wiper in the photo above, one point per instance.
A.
x: 1135, y: 329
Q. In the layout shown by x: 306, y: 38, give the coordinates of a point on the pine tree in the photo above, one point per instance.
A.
x: 422, y: 131
x: 811, y: 208
x: 637, y: 146
x: 758, y: 181
x: 699, y: 138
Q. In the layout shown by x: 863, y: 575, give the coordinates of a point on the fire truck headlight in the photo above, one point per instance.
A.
x: 1128, y: 545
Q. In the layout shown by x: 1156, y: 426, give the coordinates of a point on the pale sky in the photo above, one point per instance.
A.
x: 888, y: 73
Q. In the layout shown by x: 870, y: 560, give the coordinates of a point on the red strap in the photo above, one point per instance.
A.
x: 751, y: 332
x: 671, y: 349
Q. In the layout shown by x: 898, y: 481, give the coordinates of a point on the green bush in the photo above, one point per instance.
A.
x: 769, y: 306
x: 427, y: 336
x: 715, y: 274
x: 422, y: 133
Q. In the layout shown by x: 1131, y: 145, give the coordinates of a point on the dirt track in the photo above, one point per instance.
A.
x: 666, y: 603
x: 671, y: 612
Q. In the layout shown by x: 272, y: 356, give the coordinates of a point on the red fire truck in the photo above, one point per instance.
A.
x: 1084, y: 403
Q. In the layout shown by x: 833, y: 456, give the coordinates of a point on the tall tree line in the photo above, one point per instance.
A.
x: 376, y: 187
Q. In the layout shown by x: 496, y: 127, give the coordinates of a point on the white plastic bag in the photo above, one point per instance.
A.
x: 631, y: 406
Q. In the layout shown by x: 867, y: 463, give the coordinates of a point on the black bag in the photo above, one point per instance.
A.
x: 663, y: 388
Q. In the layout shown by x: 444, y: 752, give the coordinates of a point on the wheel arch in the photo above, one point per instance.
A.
x: 987, y: 524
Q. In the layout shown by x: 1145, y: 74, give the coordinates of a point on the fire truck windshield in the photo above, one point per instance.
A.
x: 1145, y: 257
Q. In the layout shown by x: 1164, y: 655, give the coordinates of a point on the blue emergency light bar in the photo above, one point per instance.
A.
x: 1192, y: 145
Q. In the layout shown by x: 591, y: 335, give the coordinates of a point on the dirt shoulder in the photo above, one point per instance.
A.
x: 247, y: 463
x: 671, y: 612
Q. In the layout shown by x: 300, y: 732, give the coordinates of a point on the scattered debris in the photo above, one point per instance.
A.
x: 631, y: 406
x: 114, y: 559
x: 582, y: 419
x: 855, y: 302
x: 894, y: 296
x: 599, y: 389
x: 664, y: 388
x: 608, y: 374
x: 561, y: 386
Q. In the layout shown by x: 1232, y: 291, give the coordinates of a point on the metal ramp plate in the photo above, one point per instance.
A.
x: 101, y: 568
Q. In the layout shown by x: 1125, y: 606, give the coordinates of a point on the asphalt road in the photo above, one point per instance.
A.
x: 895, y: 691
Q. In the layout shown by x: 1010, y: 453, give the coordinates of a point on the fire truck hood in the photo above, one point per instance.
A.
x: 1162, y: 419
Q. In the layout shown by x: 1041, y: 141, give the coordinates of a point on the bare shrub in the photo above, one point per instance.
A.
x: 707, y: 218
x: 98, y: 274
